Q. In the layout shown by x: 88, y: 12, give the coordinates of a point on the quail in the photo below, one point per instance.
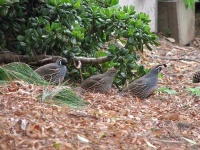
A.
x: 54, y: 72
x: 145, y: 85
x: 100, y: 83
x: 196, y: 77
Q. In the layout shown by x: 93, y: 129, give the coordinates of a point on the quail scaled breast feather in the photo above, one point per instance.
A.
x: 54, y: 72
x: 100, y: 83
x: 196, y: 77
x: 145, y: 85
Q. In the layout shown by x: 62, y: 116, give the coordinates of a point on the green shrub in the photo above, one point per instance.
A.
x: 75, y: 28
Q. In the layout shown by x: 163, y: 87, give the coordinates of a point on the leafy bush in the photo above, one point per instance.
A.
x: 78, y: 28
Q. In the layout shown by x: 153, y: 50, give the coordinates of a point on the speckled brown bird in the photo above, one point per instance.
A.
x: 145, y: 85
x: 100, y: 83
x: 196, y: 77
x: 54, y: 72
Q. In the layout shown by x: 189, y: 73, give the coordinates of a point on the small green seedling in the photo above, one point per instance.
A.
x: 194, y: 91
x: 166, y: 90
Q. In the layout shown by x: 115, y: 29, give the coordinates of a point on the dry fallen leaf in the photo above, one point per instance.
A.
x: 150, y: 145
x: 170, y: 39
x: 82, y: 139
x: 24, y: 122
x: 109, y: 122
x: 189, y: 140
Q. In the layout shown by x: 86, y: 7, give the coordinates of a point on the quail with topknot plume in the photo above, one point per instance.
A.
x: 100, y: 83
x: 196, y: 77
x: 145, y: 85
x: 54, y: 72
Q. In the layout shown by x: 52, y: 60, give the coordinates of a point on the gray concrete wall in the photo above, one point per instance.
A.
x: 186, y: 23
x: 175, y: 18
x: 146, y: 6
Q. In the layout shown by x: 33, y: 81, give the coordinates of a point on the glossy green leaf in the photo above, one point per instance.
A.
x: 78, y: 3
x: 73, y: 41
x: 123, y: 74
x: 167, y: 90
x: 194, y: 91
x: 20, y: 38
x: 131, y: 40
x: 23, y: 44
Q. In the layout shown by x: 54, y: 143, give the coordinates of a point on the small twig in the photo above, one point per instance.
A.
x: 44, y: 59
x: 12, y: 83
x: 177, y: 47
x: 78, y: 67
x: 80, y: 72
x: 167, y: 141
x: 184, y: 59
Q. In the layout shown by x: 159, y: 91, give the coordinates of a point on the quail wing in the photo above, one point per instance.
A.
x: 103, y: 85
x: 89, y: 82
x: 47, y: 71
x: 141, y: 87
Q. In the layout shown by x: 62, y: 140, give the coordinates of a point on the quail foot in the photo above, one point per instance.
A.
x: 196, y: 77
x: 54, y: 72
x: 100, y: 83
x: 145, y: 85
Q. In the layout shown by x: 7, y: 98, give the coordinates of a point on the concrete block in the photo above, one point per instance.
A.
x: 176, y: 20
x: 147, y: 6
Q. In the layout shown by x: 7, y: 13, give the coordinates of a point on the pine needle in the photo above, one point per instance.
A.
x: 63, y: 95
x: 21, y: 71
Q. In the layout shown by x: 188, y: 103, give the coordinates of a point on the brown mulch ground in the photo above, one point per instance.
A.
x: 163, y: 121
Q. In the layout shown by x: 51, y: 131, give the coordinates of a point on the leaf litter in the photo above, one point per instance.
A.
x: 167, y: 120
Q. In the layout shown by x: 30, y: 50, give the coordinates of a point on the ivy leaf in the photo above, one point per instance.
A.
x: 167, y: 90
x: 189, y: 4
x: 100, y: 54
x: 194, y: 91
x: 78, y: 4
x: 23, y: 44
x: 20, y: 38
x: 114, y: 2
x: 170, y: 91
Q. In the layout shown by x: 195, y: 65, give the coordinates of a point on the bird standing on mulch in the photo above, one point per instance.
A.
x: 145, y: 85
x: 100, y: 83
x: 196, y: 77
x: 54, y: 72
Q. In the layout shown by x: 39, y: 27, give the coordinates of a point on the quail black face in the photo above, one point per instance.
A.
x: 62, y: 61
x: 159, y: 67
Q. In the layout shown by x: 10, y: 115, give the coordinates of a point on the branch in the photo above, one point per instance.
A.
x: 86, y: 60
x: 8, y: 57
x: 184, y: 59
x: 44, y: 59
